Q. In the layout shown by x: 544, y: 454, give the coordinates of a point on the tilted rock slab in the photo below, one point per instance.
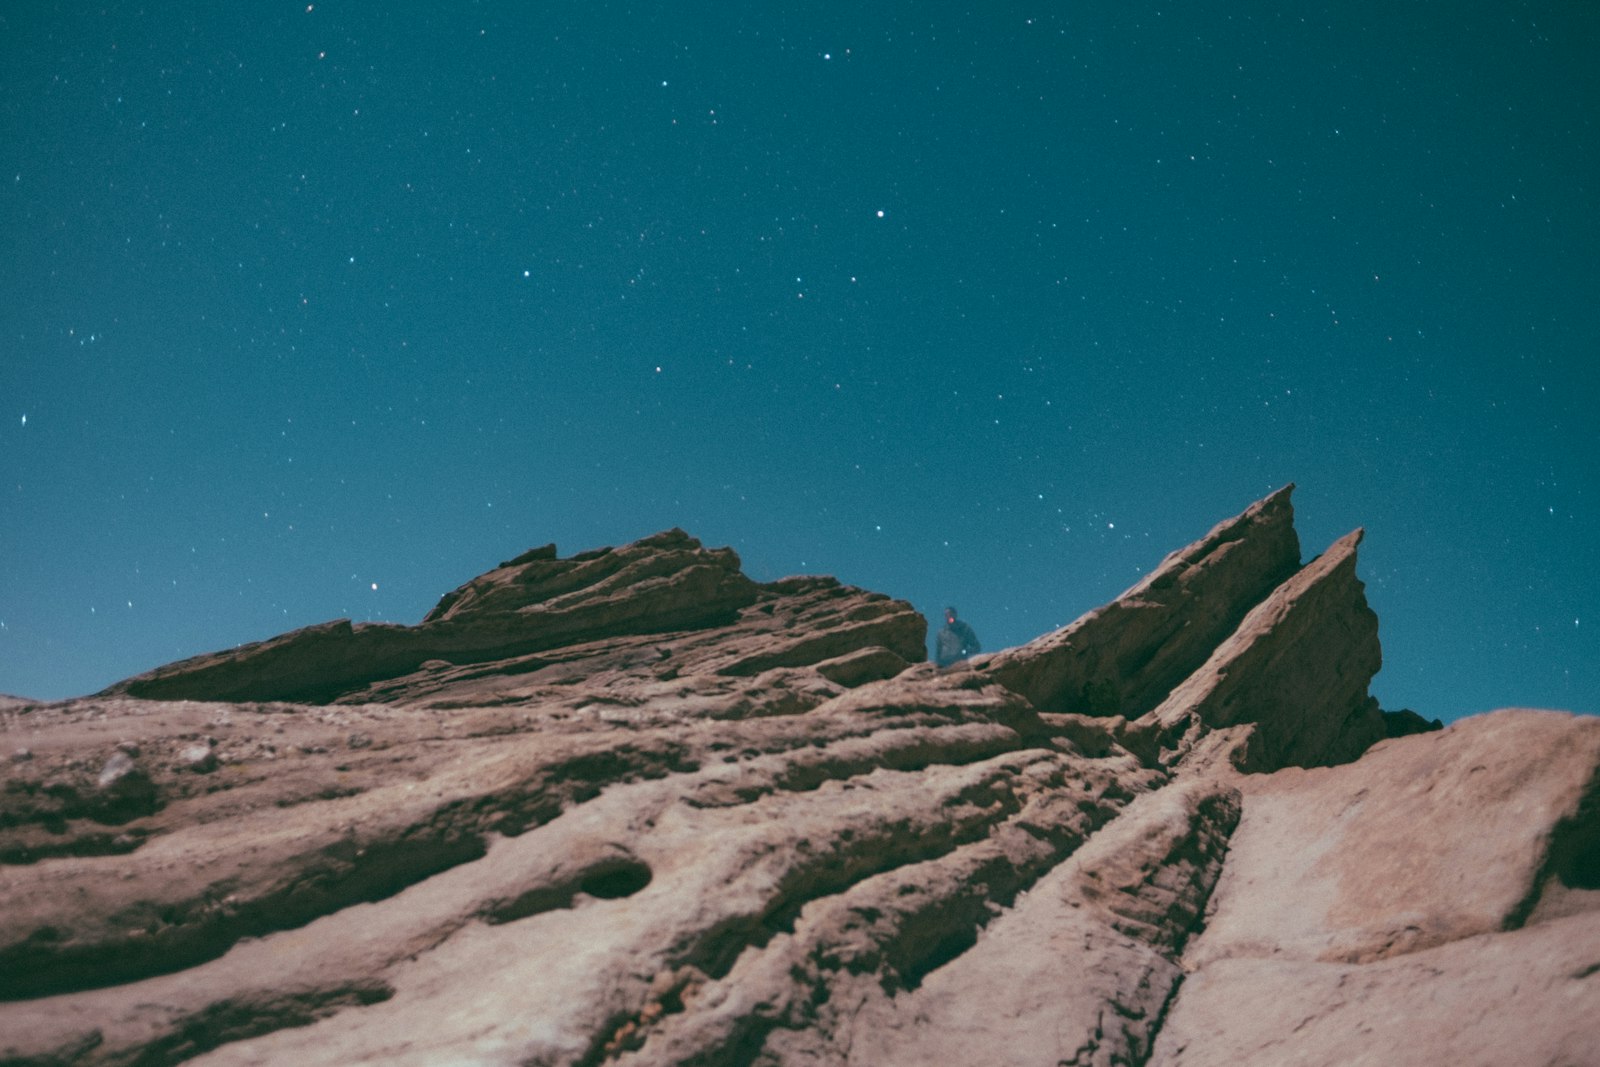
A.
x: 664, y: 583
x: 1274, y: 681
x: 632, y: 808
x: 1126, y: 657
x: 1437, y: 901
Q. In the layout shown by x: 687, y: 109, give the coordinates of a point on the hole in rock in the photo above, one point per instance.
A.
x: 1572, y: 866
x: 1575, y: 849
x: 623, y: 878
x: 945, y: 950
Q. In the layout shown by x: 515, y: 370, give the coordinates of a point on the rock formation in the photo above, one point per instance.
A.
x: 631, y: 807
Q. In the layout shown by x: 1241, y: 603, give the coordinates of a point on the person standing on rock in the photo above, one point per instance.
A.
x: 955, y: 642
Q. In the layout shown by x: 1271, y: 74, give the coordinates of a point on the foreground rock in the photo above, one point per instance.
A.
x: 631, y: 807
x: 1437, y: 901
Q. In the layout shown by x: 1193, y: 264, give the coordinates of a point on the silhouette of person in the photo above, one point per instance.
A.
x: 955, y: 642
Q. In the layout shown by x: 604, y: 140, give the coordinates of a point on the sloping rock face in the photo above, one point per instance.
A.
x: 1125, y: 657
x: 664, y: 583
x: 1434, y: 902
x: 632, y: 808
x: 1272, y: 673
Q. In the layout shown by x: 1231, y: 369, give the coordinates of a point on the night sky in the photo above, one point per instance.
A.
x: 319, y: 310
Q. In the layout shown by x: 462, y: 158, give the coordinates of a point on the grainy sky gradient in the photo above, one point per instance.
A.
x: 319, y: 310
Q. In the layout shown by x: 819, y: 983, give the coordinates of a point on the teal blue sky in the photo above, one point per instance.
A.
x: 318, y: 310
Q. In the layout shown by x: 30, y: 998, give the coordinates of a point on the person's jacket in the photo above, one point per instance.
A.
x: 955, y: 642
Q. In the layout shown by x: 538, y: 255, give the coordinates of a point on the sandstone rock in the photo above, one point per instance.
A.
x: 871, y: 664
x: 662, y: 583
x: 1081, y: 969
x: 631, y: 808
x: 1124, y: 658
x: 615, y: 618
x: 1376, y: 858
x: 1294, y: 673
x: 1524, y: 997
x: 1437, y: 901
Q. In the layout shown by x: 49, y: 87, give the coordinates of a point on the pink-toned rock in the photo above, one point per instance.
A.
x: 660, y: 584
x: 616, y: 615
x: 1437, y: 901
x: 1081, y: 969
x: 1294, y: 675
x: 1125, y: 657
x: 798, y: 643
x: 643, y: 581
x: 631, y: 808
x: 1424, y: 840
x: 1526, y: 998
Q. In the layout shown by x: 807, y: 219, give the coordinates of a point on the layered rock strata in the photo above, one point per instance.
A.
x: 631, y: 807
x: 1124, y: 658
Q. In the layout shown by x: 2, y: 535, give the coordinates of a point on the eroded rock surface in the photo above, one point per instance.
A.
x: 1126, y: 657
x: 1433, y: 902
x: 631, y: 807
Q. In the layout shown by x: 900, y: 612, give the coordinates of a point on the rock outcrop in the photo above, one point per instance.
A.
x: 632, y: 808
x: 1126, y: 657
x: 1437, y: 901
x: 1272, y: 676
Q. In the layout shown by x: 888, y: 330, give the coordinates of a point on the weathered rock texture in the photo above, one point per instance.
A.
x: 1127, y: 656
x: 1434, y: 902
x: 633, y: 808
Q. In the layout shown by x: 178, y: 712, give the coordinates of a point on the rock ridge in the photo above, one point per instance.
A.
x: 1125, y: 657
x: 631, y: 807
x: 666, y: 584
